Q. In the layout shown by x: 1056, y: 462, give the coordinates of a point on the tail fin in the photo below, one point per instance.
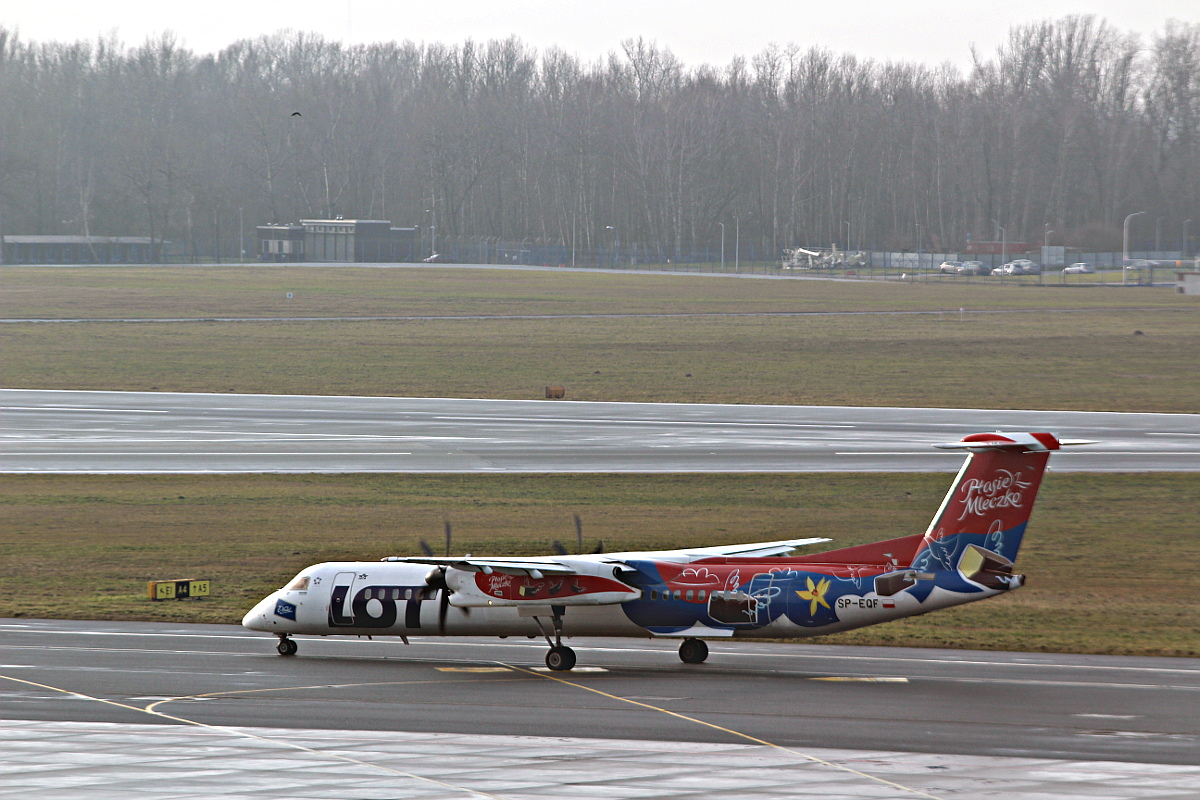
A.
x: 991, y: 499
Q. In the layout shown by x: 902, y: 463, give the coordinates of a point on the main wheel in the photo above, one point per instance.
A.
x: 560, y: 658
x: 693, y: 651
x: 287, y: 647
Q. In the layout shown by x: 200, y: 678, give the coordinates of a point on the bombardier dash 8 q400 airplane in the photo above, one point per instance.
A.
x: 747, y: 590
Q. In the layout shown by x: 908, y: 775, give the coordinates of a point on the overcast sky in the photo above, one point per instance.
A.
x: 697, y: 31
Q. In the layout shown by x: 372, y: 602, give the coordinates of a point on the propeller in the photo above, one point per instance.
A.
x: 562, y: 551
x: 425, y: 548
x: 435, y: 579
x: 449, y: 533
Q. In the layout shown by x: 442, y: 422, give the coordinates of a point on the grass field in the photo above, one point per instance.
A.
x: 1111, y: 559
x: 1076, y: 350
x: 149, y: 292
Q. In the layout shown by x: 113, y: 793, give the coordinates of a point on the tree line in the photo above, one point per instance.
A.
x: 1067, y: 128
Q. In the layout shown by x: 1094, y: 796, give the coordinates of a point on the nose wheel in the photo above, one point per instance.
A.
x: 286, y: 646
x: 693, y: 651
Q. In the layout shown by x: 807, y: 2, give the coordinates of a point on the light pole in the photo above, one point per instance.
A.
x: 241, y: 235
x: 616, y: 244
x: 1158, y: 235
x: 737, y: 244
x: 847, y: 224
x: 572, y: 238
x: 1003, y: 241
x: 1125, y: 238
x: 1184, y: 250
x: 722, y: 224
x: 433, y: 226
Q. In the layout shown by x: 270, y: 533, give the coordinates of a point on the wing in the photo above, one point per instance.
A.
x: 533, y: 567
x: 750, y: 550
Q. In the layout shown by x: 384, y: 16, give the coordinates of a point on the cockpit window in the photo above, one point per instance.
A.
x: 300, y: 585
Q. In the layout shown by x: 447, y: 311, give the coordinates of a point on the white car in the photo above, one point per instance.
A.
x: 952, y: 267
x: 1079, y: 268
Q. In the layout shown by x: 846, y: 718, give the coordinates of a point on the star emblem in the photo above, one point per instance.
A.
x: 815, y: 595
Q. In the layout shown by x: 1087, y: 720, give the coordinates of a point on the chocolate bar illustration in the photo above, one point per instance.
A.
x: 988, y: 569
x: 733, y: 608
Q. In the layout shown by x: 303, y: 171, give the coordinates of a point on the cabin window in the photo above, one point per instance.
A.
x: 679, y: 594
x: 690, y: 594
x: 367, y: 593
x: 395, y: 594
x: 300, y: 585
x: 700, y: 597
x: 408, y: 594
x: 654, y: 594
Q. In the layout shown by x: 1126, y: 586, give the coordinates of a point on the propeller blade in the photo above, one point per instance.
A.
x: 558, y: 548
x: 578, y: 534
x: 425, y: 548
x: 599, y: 546
x: 448, y: 535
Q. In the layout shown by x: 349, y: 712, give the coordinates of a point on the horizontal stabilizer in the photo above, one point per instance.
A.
x: 1019, y: 442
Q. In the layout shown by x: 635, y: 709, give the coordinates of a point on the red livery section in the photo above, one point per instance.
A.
x: 994, y: 493
x: 523, y: 587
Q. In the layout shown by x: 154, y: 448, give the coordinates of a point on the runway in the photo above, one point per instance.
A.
x: 152, y: 432
x: 852, y: 719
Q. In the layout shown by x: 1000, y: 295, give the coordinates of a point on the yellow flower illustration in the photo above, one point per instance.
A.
x: 815, y: 594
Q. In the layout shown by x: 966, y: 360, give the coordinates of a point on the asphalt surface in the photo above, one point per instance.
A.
x: 152, y: 432
x: 798, y: 696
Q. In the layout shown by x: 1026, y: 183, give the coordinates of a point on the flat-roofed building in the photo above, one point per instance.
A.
x: 280, y: 242
x: 68, y: 249
x: 337, y: 240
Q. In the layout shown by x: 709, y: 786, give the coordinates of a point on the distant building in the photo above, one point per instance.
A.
x: 53, y: 249
x: 337, y: 240
x: 1188, y: 282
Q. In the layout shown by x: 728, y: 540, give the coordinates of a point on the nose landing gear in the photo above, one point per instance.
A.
x: 286, y: 646
x: 693, y: 651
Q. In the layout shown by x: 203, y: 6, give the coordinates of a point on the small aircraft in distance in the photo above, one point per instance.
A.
x: 693, y: 594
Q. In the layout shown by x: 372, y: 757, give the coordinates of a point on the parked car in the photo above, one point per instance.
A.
x: 972, y: 268
x: 1022, y: 266
x: 951, y: 267
x: 1079, y: 268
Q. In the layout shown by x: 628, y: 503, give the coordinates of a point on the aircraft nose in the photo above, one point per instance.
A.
x: 258, y: 618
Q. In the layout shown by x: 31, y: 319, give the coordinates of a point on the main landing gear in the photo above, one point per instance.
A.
x: 693, y: 651
x: 560, y: 658
x: 286, y: 646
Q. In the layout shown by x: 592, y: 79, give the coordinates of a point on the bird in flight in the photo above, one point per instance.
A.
x: 297, y: 114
